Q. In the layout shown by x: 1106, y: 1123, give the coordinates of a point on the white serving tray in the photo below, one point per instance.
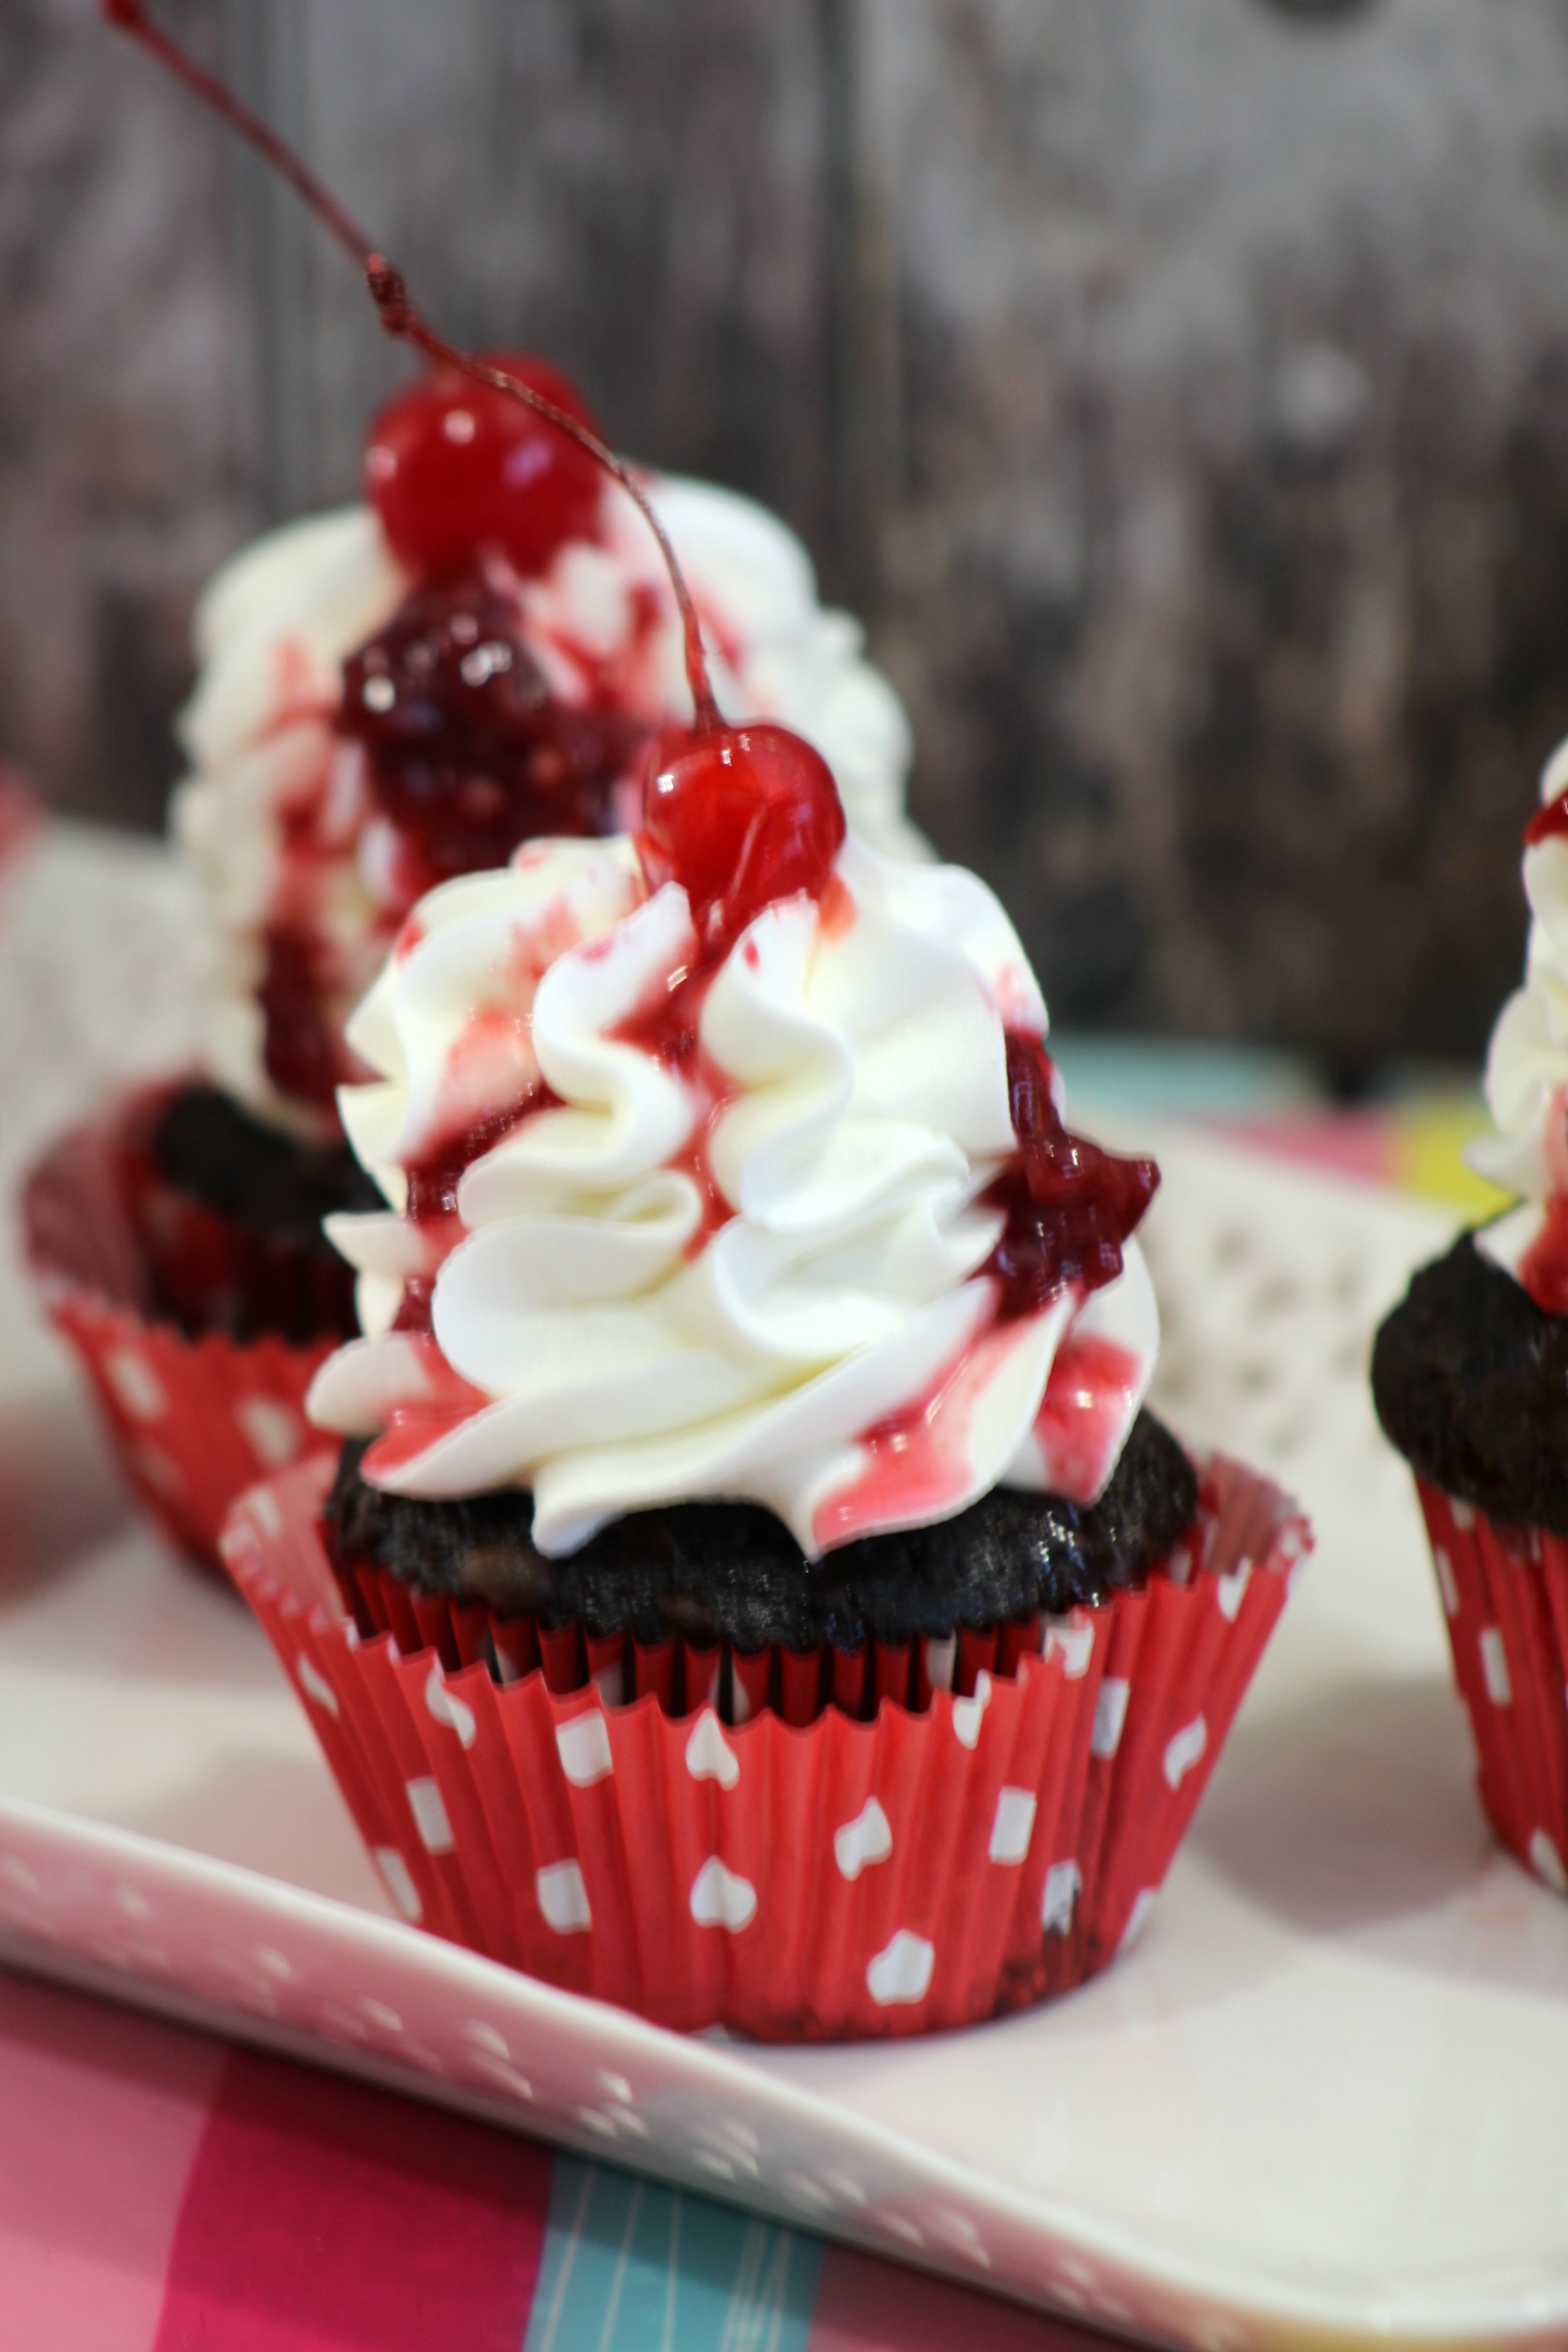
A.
x: 1323, y: 2098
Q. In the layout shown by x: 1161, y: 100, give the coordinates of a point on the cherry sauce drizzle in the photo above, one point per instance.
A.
x: 1548, y: 824
x: 1068, y: 1205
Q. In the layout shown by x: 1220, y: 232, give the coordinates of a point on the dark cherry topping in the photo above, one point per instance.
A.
x: 1551, y: 820
x: 470, y: 753
x: 1069, y: 1205
x: 739, y: 816
x: 451, y: 465
x: 303, y: 1051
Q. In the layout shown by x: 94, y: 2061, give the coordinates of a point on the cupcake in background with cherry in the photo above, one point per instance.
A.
x: 478, y: 655
x: 1470, y: 1379
x: 482, y: 652
x: 751, y: 1589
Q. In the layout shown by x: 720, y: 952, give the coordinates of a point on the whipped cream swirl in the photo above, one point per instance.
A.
x: 279, y: 816
x: 1527, y: 1077
x: 747, y: 1263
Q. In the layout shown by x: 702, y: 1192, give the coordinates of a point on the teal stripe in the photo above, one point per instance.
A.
x: 630, y: 2266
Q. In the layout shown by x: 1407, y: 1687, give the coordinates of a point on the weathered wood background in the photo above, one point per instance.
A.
x: 1179, y: 387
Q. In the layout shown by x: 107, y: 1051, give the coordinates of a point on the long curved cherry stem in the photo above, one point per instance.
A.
x: 401, y: 319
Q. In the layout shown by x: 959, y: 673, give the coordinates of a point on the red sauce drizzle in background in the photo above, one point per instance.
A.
x: 1543, y: 1270
x: 1548, y: 824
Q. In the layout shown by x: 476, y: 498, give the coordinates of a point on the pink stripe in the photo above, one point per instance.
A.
x: 100, y: 2113
x: 866, y: 2305
x: 1352, y: 1142
x: 323, y: 2217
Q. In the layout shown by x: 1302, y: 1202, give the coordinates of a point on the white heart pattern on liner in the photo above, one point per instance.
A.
x: 1013, y: 1825
x: 868, y: 1838
x: 584, y: 1746
x: 314, y: 1684
x: 968, y: 1714
x: 708, y: 1755
x: 448, y: 1709
x: 1063, y: 1881
x: 901, y: 1971
x: 1231, y: 1591
x: 721, y: 1898
x: 1183, y: 1749
x: 563, y: 1897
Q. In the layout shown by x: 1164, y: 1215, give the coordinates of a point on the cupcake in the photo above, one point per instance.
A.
x: 389, y: 697
x: 751, y: 1589
x: 1470, y: 1378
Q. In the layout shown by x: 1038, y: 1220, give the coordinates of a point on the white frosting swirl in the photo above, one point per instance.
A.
x: 273, y: 631
x: 753, y: 1273
x: 1527, y: 1063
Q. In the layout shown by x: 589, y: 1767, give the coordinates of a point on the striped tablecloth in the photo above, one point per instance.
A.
x: 163, y: 2191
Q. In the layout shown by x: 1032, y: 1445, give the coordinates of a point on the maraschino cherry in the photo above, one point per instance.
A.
x: 739, y: 816
x: 452, y: 465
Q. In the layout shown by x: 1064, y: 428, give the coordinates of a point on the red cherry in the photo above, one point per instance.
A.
x: 452, y: 465
x: 740, y: 817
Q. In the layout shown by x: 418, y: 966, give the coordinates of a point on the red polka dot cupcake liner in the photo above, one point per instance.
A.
x: 1504, y: 1591
x: 799, y: 1846
x: 194, y: 1422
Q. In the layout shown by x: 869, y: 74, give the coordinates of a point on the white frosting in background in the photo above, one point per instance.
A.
x: 1527, y: 1063
x: 851, y: 1106
x: 275, y: 625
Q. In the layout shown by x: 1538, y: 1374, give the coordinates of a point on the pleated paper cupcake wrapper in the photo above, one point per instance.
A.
x: 1504, y: 1591
x: 194, y: 1422
x: 823, y: 1880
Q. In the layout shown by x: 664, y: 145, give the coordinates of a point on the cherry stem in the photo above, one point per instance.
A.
x: 406, y: 323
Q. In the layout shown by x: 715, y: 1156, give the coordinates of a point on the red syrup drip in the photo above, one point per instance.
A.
x: 468, y: 753
x: 302, y: 1051
x: 667, y: 1026
x: 1068, y: 1205
x: 1548, y: 824
x: 1083, y: 1418
x: 916, y: 1463
x: 446, y: 1401
x: 1543, y: 1270
x: 432, y: 1204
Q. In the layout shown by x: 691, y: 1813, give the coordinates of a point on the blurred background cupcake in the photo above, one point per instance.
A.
x: 389, y: 696
x: 1470, y: 1377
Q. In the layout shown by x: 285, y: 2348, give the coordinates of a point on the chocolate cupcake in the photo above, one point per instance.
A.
x: 390, y: 696
x: 745, y: 1333
x: 751, y: 1589
x: 1470, y: 1379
